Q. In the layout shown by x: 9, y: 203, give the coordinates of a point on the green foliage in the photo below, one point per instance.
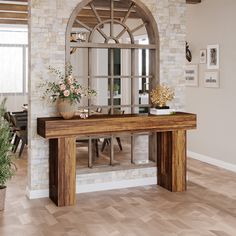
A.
x: 116, y: 87
x: 7, y: 167
x: 65, y: 87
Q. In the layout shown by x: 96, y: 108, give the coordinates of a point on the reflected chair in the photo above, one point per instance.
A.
x: 94, y: 141
x: 107, y: 141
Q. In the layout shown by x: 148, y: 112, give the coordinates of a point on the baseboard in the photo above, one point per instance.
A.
x: 212, y: 161
x: 116, y: 185
x: 34, y: 194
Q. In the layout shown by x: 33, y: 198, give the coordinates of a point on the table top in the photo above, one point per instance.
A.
x: 54, y: 127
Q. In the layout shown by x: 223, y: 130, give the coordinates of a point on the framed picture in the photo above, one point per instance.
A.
x: 203, y: 56
x: 213, y: 57
x: 191, y: 75
x: 211, y: 79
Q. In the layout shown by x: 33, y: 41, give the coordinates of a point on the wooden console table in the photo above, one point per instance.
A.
x: 170, y: 138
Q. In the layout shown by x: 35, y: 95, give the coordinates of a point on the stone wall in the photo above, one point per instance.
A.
x: 47, y: 27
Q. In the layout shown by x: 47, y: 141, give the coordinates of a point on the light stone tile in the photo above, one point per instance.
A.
x: 48, y: 23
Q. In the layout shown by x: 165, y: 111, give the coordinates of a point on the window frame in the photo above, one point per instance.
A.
x: 153, y: 45
x: 24, y: 64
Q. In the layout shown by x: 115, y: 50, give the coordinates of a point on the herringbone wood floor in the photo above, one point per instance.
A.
x: 208, y: 208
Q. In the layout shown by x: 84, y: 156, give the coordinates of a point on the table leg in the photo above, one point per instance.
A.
x: 171, y: 160
x: 62, y: 171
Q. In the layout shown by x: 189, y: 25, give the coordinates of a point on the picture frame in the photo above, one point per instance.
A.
x: 191, y: 75
x: 213, y: 57
x: 211, y: 79
x: 203, y: 56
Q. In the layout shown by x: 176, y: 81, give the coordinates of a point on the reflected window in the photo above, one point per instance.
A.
x: 110, y: 44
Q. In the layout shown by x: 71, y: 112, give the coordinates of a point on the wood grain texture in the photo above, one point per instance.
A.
x: 109, y: 124
x: 171, y: 160
x: 206, y: 209
x: 13, y: 7
x: 179, y: 160
x: 193, y: 1
x: 14, y: 21
x: 13, y: 15
x: 170, y: 149
x: 62, y: 171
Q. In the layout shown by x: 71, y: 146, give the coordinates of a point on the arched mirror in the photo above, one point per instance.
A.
x: 113, y: 47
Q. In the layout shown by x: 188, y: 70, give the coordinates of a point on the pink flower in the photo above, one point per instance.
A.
x: 70, y: 80
x: 72, y: 88
x: 66, y: 93
x: 62, y: 87
x: 78, y: 91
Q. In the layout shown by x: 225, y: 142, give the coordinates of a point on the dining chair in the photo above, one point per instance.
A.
x: 107, y: 141
x: 94, y: 141
x: 19, y: 122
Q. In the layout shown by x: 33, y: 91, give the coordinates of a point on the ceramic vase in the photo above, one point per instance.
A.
x: 66, y: 108
x: 2, y: 197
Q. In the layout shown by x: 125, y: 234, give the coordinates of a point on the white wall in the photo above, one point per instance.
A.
x: 213, y: 22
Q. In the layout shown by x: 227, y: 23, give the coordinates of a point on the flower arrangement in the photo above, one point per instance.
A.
x: 67, y: 87
x: 161, y: 95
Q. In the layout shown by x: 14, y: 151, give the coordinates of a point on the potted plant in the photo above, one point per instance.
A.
x: 7, y: 167
x: 159, y: 98
x: 116, y: 88
x: 66, y: 91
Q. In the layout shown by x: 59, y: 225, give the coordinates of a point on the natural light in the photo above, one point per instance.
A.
x: 13, y: 60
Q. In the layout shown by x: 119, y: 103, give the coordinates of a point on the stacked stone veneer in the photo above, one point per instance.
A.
x: 91, y: 182
x: 47, y: 27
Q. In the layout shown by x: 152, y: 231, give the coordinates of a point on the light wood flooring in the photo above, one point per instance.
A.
x: 208, y: 208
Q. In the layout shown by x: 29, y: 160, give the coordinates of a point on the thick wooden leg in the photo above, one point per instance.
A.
x: 62, y: 171
x: 171, y: 160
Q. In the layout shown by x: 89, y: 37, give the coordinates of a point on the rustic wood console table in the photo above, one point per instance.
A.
x: 170, y: 138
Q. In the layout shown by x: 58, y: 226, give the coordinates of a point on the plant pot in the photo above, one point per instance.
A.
x: 66, y: 108
x: 2, y: 197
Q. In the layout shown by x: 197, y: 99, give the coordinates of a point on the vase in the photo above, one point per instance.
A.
x: 66, y: 108
x: 2, y: 197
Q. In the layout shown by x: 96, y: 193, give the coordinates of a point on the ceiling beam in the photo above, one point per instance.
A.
x: 90, y: 25
x: 117, y: 4
x: 93, y: 19
x: 13, y: 15
x: 23, y: 1
x: 106, y: 13
x: 13, y: 7
x: 13, y: 22
x: 193, y: 1
x: 17, y: 11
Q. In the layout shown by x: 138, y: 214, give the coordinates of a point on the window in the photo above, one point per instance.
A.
x: 13, y: 60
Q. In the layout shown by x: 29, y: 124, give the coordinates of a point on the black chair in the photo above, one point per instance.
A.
x: 107, y: 141
x: 7, y: 117
x: 19, y: 127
